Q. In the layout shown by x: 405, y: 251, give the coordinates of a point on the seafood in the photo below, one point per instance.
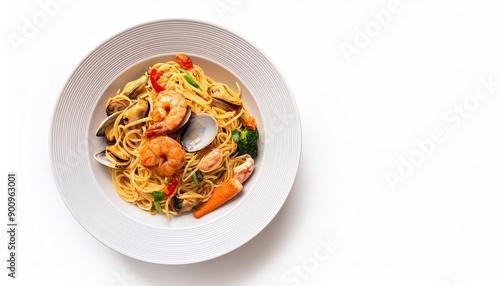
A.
x: 116, y: 104
x: 113, y: 152
x: 243, y: 171
x: 169, y: 110
x: 112, y: 157
x: 122, y: 99
x: 108, y: 121
x: 135, y: 112
x: 185, y: 205
x: 211, y: 160
x: 110, y: 135
x: 249, y: 121
x: 132, y: 89
x: 162, y: 155
x: 173, y: 138
x: 224, y: 97
x: 199, y: 132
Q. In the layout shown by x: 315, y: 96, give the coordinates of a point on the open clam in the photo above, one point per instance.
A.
x: 223, y: 97
x: 132, y: 89
x: 101, y: 130
x: 134, y: 112
x: 110, y: 135
x: 113, y: 157
x: 122, y: 99
x: 117, y: 104
x: 199, y: 132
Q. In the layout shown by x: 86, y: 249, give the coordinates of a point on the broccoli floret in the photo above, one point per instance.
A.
x: 247, y: 141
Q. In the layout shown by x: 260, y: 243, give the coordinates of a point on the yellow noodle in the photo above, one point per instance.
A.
x: 135, y: 183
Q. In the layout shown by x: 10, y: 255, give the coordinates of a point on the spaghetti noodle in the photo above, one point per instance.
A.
x: 138, y: 184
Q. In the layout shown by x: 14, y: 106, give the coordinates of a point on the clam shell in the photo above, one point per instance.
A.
x: 100, y: 157
x: 132, y: 88
x: 228, y: 106
x: 108, y: 121
x: 224, y: 97
x: 116, y: 105
x: 136, y: 111
x: 200, y: 131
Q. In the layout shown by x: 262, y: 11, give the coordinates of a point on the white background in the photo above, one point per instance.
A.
x: 363, y: 115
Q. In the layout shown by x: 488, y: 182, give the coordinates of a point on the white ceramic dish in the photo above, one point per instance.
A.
x: 86, y: 186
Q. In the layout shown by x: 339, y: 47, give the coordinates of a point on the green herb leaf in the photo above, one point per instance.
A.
x: 158, y: 206
x: 236, y: 135
x: 195, y: 179
x: 189, y: 79
x: 158, y: 195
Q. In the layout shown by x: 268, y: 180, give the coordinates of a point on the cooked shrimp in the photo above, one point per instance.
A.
x: 162, y: 155
x: 169, y: 108
x: 249, y: 121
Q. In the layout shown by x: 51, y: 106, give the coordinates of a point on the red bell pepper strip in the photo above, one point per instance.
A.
x: 153, y: 77
x: 158, y: 196
x: 171, y: 188
x: 184, y: 61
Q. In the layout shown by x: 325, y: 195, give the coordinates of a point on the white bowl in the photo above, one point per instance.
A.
x: 86, y: 186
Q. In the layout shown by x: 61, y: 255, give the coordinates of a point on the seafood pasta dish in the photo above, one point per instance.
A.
x: 178, y: 141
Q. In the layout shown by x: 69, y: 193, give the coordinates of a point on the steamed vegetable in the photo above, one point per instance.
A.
x: 220, y: 195
x: 247, y: 141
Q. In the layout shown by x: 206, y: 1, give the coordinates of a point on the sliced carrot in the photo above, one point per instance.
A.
x: 220, y: 195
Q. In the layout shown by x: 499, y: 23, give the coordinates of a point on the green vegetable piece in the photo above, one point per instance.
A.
x: 189, y: 79
x: 158, y: 206
x: 158, y: 196
x: 247, y: 141
x: 195, y: 179
x: 236, y: 135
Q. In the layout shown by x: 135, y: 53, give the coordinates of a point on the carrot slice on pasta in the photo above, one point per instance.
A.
x: 220, y: 195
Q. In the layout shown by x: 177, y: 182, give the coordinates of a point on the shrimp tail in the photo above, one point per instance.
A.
x: 249, y: 121
x: 156, y: 129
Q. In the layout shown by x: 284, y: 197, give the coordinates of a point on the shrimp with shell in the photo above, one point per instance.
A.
x: 162, y: 155
x: 169, y: 109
